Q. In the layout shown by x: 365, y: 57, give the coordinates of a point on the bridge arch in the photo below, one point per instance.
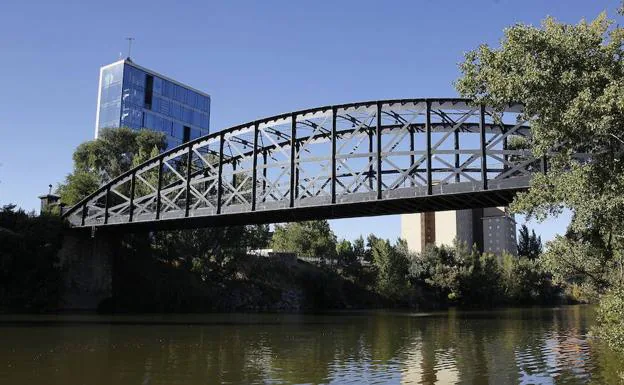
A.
x: 358, y: 159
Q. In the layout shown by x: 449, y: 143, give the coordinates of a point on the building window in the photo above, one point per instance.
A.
x: 149, y: 89
x: 157, y: 86
x: 187, y: 134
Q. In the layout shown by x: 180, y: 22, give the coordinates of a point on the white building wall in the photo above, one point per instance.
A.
x: 445, y: 227
x: 411, y: 231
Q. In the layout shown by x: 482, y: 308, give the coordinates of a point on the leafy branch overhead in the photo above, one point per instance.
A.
x: 570, y: 79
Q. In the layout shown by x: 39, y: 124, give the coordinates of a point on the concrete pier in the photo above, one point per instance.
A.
x: 87, y: 267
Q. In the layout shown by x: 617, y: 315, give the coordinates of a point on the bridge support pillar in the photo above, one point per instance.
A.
x: 87, y: 266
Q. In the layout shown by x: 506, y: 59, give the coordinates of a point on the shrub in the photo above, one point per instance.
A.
x: 29, y: 272
x: 610, y: 319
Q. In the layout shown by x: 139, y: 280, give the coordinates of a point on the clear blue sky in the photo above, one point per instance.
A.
x: 255, y: 59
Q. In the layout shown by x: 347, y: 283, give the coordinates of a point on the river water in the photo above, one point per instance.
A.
x: 527, y: 346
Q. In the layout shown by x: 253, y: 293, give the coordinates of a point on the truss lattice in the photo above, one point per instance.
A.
x: 323, y: 160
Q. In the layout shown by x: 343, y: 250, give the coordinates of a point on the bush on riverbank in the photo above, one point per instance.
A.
x: 610, y: 320
x: 463, y: 276
x: 526, y: 282
x: 437, y: 277
x: 29, y: 273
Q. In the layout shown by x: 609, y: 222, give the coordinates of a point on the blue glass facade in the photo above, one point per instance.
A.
x: 132, y: 96
x: 109, y: 100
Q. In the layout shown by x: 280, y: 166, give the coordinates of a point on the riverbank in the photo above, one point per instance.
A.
x: 260, y: 284
x: 211, y: 270
x: 252, y: 284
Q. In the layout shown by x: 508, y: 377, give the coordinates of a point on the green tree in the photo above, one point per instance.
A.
x: 570, y: 80
x: 30, y: 277
x: 392, y: 267
x: 525, y: 281
x: 361, y: 273
x: 529, y: 245
x: 117, y: 150
x: 345, y: 253
x: 371, y: 239
x: 313, y: 239
x: 469, y: 277
x: 480, y: 282
x: 579, y: 262
x: 114, y: 152
x: 359, y: 249
x: 208, y: 251
x: 458, y: 274
x: 78, y: 185
x: 611, y: 318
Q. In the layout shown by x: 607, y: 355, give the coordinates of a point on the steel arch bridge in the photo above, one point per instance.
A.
x: 350, y: 160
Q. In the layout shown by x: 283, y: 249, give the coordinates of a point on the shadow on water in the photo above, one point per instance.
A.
x: 535, y: 345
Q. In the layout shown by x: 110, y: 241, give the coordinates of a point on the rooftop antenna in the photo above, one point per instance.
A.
x: 130, y: 40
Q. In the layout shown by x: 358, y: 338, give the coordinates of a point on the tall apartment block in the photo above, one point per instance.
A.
x: 491, y: 229
x: 133, y: 96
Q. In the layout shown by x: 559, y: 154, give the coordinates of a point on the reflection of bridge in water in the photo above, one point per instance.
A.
x: 360, y: 159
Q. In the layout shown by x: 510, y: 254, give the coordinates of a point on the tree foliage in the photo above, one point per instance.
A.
x: 352, y: 265
x: 30, y: 278
x: 580, y: 263
x: 611, y: 319
x: 359, y: 249
x: 208, y: 251
x: 525, y: 281
x: 345, y: 253
x: 529, y: 245
x: 570, y: 79
x: 114, y: 152
x: 462, y: 275
x: 459, y: 274
x: 392, y: 266
x: 78, y: 185
x: 117, y: 150
x: 306, y: 239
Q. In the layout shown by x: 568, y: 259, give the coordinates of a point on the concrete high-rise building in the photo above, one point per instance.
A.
x: 492, y: 229
x: 133, y: 96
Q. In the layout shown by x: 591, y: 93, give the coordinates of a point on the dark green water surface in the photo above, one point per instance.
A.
x: 527, y: 346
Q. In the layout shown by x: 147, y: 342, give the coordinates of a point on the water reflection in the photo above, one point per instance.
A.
x: 506, y: 346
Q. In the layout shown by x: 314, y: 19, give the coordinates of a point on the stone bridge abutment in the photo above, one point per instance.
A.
x: 86, y: 262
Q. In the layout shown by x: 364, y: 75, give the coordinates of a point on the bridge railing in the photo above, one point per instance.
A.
x: 331, y: 155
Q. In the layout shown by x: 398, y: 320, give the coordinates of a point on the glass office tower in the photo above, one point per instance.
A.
x: 133, y: 96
